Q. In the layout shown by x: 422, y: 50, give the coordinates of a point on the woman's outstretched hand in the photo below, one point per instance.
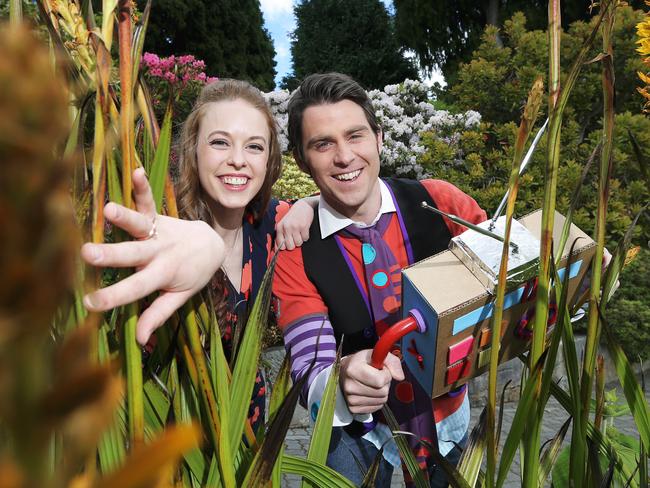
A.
x: 178, y: 259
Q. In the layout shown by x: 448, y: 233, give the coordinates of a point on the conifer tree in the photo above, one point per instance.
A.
x: 356, y: 38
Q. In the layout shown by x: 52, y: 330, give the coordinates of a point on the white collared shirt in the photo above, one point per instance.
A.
x: 331, y: 221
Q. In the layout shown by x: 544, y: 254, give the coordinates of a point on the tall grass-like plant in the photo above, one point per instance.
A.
x: 147, y: 415
x: 183, y: 382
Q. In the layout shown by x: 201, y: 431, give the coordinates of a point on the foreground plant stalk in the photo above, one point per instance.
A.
x: 525, y: 128
x: 593, y: 323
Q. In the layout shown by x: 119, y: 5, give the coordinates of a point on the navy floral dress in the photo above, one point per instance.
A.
x: 258, y: 243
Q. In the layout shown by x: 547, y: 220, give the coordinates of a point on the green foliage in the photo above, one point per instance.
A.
x: 228, y: 35
x: 443, y: 33
x: 356, y: 38
x: 478, y: 162
x: 513, y: 60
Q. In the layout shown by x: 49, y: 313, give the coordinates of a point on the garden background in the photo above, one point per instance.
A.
x: 465, y: 132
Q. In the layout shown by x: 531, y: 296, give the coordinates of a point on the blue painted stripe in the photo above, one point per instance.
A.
x: 513, y: 298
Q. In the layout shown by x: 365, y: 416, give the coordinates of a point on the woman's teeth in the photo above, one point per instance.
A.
x: 234, y: 180
x: 348, y: 176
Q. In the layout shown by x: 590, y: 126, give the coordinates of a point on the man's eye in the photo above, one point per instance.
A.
x: 322, y: 145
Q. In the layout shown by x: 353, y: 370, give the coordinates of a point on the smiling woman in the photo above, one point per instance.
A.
x: 229, y: 159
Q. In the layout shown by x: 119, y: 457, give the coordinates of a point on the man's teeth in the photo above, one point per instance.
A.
x: 235, y: 180
x: 348, y: 176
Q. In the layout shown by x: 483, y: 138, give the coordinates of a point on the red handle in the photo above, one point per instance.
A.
x: 413, y: 322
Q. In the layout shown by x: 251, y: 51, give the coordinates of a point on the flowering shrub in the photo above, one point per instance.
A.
x: 174, y: 79
x: 404, y: 113
x: 293, y: 183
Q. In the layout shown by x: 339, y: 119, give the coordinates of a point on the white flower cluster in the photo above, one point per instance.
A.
x: 404, y: 112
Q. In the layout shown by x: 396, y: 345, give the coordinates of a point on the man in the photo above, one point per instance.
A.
x: 344, y: 283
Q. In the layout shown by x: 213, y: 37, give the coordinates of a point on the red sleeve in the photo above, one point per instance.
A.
x: 281, y: 210
x: 296, y: 297
x: 451, y: 200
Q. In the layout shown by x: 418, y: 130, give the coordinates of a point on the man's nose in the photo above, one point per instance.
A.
x: 344, y: 154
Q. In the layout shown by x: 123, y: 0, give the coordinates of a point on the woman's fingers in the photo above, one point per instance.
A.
x: 143, y: 195
x: 158, y: 312
x: 130, y: 289
x: 119, y: 255
x: 135, y: 223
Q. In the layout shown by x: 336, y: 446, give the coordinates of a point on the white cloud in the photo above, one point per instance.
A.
x: 282, y: 50
x: 272, y: 9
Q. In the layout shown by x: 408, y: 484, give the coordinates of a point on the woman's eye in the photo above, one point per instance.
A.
x: 256, y: 147
x: 219, y: 142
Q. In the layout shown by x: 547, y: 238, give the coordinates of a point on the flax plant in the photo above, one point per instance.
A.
x: 527, y: 122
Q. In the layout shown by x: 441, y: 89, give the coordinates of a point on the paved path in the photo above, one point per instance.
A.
x: 297, y: 441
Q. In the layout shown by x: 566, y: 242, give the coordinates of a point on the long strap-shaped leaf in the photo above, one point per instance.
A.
x: 404, y: 449
x: 266, y: 458
x: 633, y: 393
x: 522, y: 416
x: 158, y: 173
x: 469, y: 465
x: 525, y: 127
x: 243, y: 375
x: 322, y: 432
x: 603, y: 444
x: 320, y: 475
x: 143, y: 468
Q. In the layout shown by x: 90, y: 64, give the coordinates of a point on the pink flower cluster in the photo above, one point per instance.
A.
x: 176, y: 69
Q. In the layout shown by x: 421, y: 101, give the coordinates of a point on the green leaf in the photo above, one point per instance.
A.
x: 618, y: 258
x: 138, y: 39
x: 469, y: 465
x: 269, y: 453
x: 110, y: 451
x: 550, y: 455
x: 320, y: 475
x: 322, y: 432
x: 161, y: 160
x: 521, y: 418
x: 243, y: 375
x: 633, y: 393
x: 404, y: 449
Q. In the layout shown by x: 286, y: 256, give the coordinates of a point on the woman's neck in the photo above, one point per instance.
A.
x: 227, y: 222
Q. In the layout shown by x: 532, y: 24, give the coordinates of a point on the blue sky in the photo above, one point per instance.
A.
x: 280, y: 22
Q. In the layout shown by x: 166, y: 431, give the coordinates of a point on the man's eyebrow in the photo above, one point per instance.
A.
x: 326, y: 137
x: 358, y: 128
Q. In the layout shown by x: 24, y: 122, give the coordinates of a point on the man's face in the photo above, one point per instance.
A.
x: 342, y: 154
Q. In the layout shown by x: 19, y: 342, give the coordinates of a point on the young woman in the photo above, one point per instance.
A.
x: 229, y: 158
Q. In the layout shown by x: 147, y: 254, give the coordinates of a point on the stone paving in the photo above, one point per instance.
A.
x: 297, y: 440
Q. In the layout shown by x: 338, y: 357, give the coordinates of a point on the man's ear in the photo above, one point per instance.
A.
x: 304, y: 167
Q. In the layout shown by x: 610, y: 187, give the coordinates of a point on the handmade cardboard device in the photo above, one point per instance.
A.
x: 450, y: 299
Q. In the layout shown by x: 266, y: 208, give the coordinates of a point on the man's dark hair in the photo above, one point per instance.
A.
x: 322, y: 89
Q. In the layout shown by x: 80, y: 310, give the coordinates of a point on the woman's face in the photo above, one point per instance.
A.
x: 232, y: 152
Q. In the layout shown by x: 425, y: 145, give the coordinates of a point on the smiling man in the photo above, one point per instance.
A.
x: 344, y: 284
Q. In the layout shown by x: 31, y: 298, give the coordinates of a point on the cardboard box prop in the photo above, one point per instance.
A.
x: 452, y: 293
